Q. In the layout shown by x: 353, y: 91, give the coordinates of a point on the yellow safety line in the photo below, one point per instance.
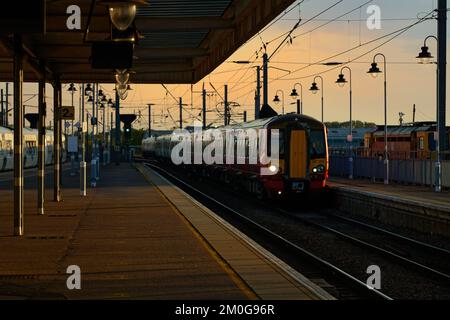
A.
x: 235, y: 277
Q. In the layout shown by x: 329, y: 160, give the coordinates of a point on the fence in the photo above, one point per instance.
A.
x: 408, y: 171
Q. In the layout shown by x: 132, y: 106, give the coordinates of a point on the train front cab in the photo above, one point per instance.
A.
x: 303, y: 161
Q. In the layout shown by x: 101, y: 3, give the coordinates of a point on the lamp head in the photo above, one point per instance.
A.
x: 88, y: 90
x: 276, y: 100
x: 425, y: 56
x: 314, y: 88
x: 72, y: 88
x: 374, y: 70
x: 110, y: 103
x: 122, y: 12
x: 341, y: 81
x: 294, y: 94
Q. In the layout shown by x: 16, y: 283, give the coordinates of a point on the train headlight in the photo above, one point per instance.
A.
x: 319, y: 169
x: 273, y: 169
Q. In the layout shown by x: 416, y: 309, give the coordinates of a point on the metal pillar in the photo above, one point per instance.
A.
x: 41, y: 145
x: 18, y: 137
x: 117, y: 145
x: 57, y: 141
x: 225, y: 115
x: 104, y: 135
x: 266, y: 79
x: 442, y: 87
x: 83, y: 146
x: 110, y: 142
x: 2, y: 120
x: 245, y: 116
x: 7, y: 105
x: 258, y: 92
x: 181, y: 113
x: 94, y: 141
x: 97, y: 141
x: 149, y: 120
x: 204, y: 108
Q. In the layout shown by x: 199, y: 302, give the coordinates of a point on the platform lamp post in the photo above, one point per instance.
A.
x: 314, y: 89
x: 426, y: 57
x: 294, y: 95
x: 277, y: 100
x: 374, y: 71
x: 110, y: 104
x: 94, y: 120
x: 341, y: 81
x: 72, y: 91
x: 83, y: 144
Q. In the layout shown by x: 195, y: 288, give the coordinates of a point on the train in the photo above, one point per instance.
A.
x: 409, y: 141
x: 303, y: 157
x: 30, y: 142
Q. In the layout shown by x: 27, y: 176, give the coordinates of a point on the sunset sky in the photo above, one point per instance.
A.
x: 408, y: 82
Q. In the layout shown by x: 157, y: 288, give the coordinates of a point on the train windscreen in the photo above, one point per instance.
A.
x: 317, y: 146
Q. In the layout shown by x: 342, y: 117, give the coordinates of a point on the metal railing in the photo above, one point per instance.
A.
x: 411, y: 169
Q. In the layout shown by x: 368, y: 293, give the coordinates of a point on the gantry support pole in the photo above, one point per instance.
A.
x: 204, y: 108
x: 18, y: 137
x: 117, y: 143
x: 41, y: 144
x: 225, y: 103
x: 258, y: 92
x: 57, y: 141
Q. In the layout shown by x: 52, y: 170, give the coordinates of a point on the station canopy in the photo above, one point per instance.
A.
x: 179, y: 41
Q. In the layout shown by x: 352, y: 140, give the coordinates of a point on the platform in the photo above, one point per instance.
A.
x: 134, y: 237
x: 415, y: 207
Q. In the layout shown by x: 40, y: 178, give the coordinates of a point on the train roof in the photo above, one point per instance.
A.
x: 404, y: 130
x: 336, y: 133
x: 261, y: 123
x: 4, y: 130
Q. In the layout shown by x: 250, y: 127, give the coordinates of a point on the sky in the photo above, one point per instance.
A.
x: 409, y: 83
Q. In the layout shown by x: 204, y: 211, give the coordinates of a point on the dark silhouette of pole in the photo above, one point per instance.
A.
x: 442, y: 86
x: 225, y: 103
x: 181, y: 113
x: 150, y: 119
x: 204, y: 108
x: 2, y: 114
x: 265, y: 79
x: 258, y: 92
x: 83, y: 146
x: 6, y: 120
x: 18, y: 138
x: 41, y: 145
x: 117, y: 146
x: 57, y: 140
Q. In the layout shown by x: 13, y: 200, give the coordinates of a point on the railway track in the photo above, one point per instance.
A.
x: 323, y: 222
x: 343, y: 281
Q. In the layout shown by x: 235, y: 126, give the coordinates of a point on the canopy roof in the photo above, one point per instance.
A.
x: 182, y: 40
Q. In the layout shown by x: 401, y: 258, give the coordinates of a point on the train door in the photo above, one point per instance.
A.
x: 298, y: 155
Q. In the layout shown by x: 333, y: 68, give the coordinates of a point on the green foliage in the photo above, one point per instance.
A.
x: 356, y: 124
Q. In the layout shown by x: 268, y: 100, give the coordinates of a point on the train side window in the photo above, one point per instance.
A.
x: 431, y: 142
x: 282, y: 141
x: 421, y: 143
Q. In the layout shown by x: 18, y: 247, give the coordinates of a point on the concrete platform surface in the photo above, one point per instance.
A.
x: 415, y: 194
x: 129, y: 241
